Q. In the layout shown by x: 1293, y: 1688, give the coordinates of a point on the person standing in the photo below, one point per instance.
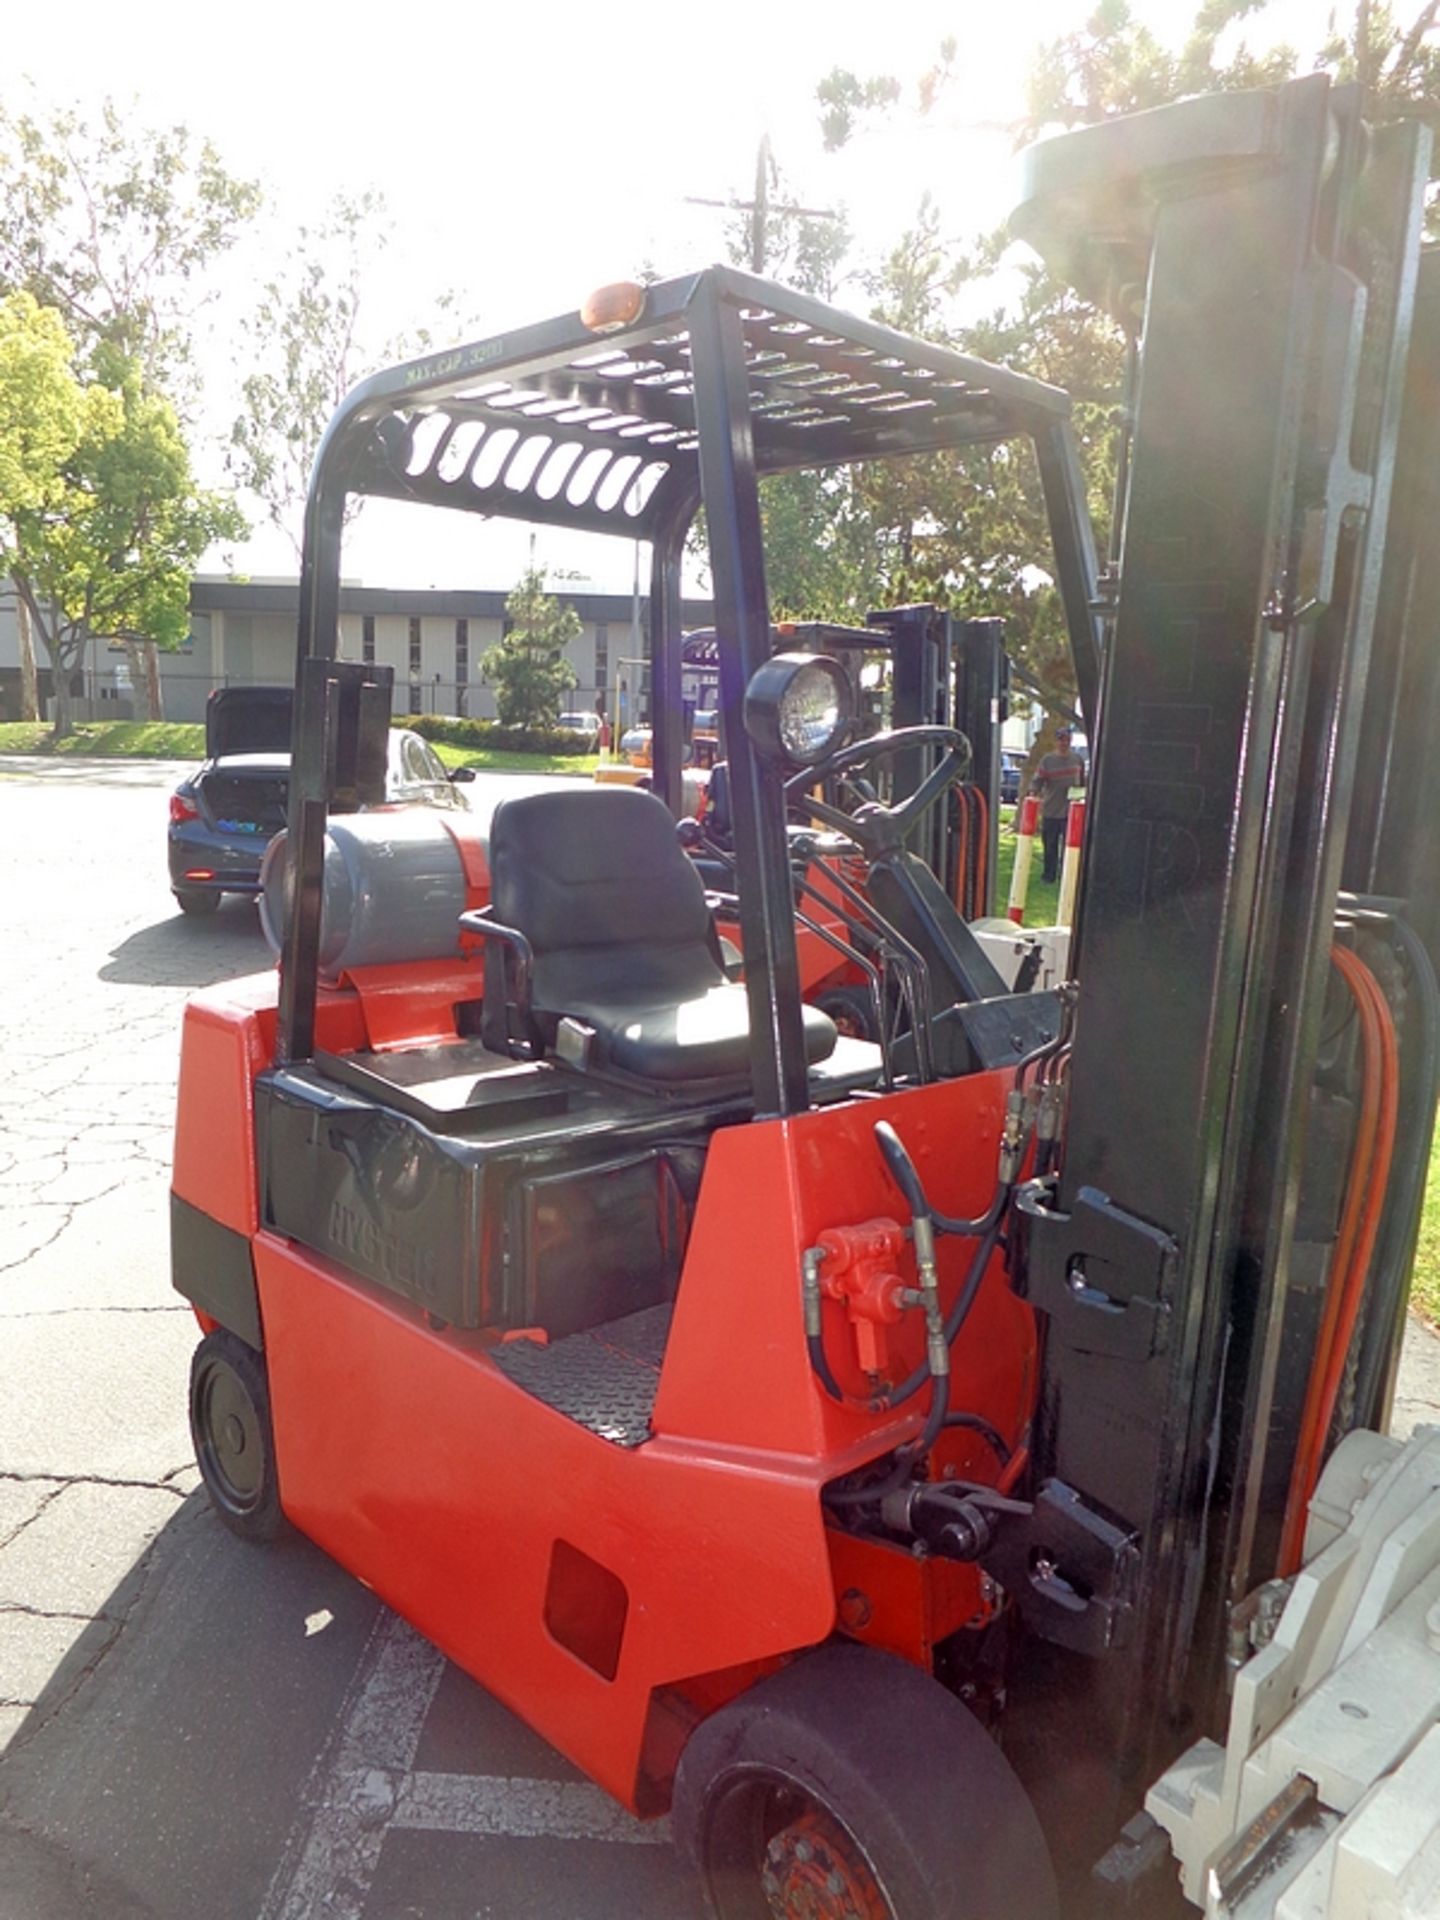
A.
x: 1056, y: 774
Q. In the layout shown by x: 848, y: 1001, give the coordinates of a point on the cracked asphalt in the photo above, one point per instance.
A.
x: 166, y: 1694
x: 95, y: 1455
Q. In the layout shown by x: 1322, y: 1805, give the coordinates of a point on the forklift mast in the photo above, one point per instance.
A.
x: 1269, y: 685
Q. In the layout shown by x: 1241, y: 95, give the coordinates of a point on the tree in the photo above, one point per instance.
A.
x: 528, y: 663
x: 115, y: 224
x: 974, y: 536
x: 306, y: 344
x: 100, y: 520
x: 41, y: 415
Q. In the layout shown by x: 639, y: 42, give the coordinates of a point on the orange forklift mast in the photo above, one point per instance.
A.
x: 772, y: 1416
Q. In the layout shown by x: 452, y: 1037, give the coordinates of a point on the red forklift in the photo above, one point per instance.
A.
x: 887, y: 1457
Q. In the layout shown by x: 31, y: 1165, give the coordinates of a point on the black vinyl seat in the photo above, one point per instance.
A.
x: 616, y: 919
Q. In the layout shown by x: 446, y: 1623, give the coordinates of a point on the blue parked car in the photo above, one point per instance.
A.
x: 225, y: 814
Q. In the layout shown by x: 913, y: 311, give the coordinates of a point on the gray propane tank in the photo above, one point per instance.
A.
x: 395, y: 886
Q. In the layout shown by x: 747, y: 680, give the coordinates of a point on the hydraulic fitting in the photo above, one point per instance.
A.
x: 1012, y: 1137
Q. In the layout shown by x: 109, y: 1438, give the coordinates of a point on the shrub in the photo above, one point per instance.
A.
x: 480, y: 736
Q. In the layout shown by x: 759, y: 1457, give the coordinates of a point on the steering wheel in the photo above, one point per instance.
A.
x: 874, y: 827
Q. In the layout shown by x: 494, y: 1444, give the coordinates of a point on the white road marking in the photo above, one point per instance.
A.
x: 363, y: 1785
x: 328, y: 1862
x: 524, y: 1809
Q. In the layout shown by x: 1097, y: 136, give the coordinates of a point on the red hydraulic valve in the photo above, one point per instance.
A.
x: 861, y: 1269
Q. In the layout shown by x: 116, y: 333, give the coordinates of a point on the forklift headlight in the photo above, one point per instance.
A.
x: 798, y: 707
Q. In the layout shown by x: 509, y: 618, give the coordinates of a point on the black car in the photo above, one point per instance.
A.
x: 228, y: 811
x: 1012, y: 770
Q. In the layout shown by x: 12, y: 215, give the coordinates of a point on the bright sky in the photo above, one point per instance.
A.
x: 530, y: 153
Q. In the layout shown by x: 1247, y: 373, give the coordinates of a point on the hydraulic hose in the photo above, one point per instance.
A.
x: 959, y: 1312
x: 902, y: 1171
x: 1359, y: 1224
x: 939, y: 1399
x: 1395, y: 1249
x: 905, y: 1458
x: 942, y: 1334
x: 990, y: 1434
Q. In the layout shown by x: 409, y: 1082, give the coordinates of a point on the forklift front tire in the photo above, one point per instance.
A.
x: 195, y: 900
x: 234, y: 1442
x: 852, y: 1778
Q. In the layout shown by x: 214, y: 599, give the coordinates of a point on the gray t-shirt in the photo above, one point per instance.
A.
x: 1056, y: 774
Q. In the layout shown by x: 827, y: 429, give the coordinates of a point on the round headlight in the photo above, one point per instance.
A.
x: 798, y: 707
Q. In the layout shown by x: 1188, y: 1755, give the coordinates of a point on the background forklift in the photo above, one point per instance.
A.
x: 910, y: 666
x: 768, y: 1417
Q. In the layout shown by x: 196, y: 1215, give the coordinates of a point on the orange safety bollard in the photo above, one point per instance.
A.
x: 1024, y: 850
x: 1070, y: 868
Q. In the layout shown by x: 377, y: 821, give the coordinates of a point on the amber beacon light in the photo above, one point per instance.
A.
x: 610, y: 308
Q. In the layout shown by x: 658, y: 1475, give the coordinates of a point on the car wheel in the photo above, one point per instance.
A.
x: 851, y: 1784
x: 234, y: 1440
x: 192, y: 900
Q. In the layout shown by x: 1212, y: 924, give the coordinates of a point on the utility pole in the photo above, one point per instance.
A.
x: 762, y: 207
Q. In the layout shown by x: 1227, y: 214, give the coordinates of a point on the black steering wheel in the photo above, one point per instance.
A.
x: 874, y: 827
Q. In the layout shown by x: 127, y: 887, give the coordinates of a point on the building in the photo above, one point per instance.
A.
x: 242, y: 632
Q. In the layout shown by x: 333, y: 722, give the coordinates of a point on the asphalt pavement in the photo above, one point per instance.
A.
x: 195, y: 1727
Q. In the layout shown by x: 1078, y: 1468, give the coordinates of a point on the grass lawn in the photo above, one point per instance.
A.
x: 108, y: 739
x: 1425, y: 1292
x: 180, y: 740
x: 497, y: 762
x: 1042, y: 902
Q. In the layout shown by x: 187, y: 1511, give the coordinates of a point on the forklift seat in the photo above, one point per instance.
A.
x: 622, y: 940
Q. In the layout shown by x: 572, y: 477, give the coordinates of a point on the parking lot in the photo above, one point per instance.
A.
x: 197, y: 1727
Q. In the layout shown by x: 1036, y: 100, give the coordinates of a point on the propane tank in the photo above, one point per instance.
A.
x: 395, y: 885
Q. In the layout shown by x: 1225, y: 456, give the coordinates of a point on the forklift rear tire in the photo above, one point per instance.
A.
x: 234, y: 1441
x: 192, y: 900
x: 851, y: 1784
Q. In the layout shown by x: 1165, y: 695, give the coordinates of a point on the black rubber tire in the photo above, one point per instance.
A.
x: 925, y: 1795
x: 852, y: 1010
x: 234, y: 1440
x: 196, y: 903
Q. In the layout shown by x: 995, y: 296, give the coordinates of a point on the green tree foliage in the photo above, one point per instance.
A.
x: 115, y: 224
x: 528, y: 665
x: 305, y: 340
x: 100, y: 520
x: 972, y: 533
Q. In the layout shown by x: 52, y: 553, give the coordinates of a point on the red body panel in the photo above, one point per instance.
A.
x: 441, y: 1483
x: 419, y: 1466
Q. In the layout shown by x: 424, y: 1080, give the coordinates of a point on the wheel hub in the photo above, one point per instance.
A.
x: 813, y: 1870
x: 230, y: 1438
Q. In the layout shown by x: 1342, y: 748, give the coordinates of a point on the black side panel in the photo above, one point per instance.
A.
x: 530, y: 1225
x: 212, y: 1266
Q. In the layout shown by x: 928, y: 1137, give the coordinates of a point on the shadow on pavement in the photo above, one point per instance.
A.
x: 162, y: 1768
x: 169, y: 1770
x: 184, y: 952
